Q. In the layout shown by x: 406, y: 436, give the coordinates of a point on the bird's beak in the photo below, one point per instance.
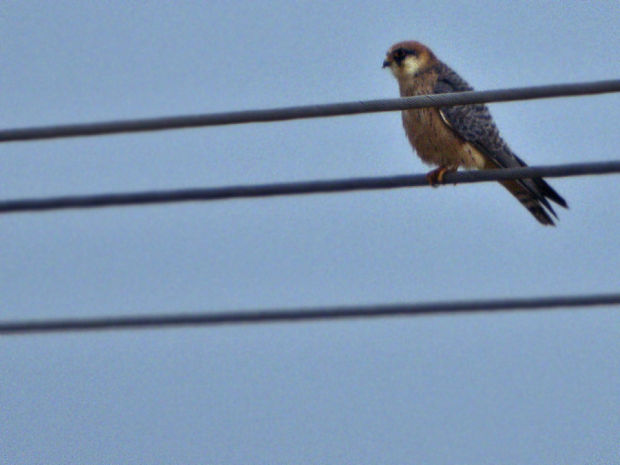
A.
x: 386, y: 63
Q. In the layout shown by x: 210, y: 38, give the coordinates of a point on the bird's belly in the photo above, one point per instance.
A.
x: 437, y: 144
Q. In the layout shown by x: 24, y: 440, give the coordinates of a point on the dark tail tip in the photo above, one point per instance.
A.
x: 549, y: 192
x: 540, y: 214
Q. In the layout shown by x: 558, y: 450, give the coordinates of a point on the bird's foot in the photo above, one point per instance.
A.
x: 435, y: 177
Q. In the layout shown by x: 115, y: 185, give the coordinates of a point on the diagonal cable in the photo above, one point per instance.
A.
x: 305, y: 314
x: 307, y: 111
x: 297, y: 188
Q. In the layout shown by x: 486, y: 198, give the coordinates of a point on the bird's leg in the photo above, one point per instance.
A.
x: 435, y: 177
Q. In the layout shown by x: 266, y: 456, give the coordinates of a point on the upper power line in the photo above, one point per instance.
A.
x: 297, y: 188
x: 305, y: 314
x: 307, y: 111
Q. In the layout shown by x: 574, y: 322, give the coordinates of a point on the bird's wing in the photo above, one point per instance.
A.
x: 474, y: 122
x: 475, y: 125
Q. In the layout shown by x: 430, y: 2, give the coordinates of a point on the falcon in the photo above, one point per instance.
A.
x: 464, y: 135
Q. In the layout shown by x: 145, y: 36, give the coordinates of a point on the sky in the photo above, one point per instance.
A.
x: 531, y: 387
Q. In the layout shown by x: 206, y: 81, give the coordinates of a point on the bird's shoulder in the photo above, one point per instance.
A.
x: 449, y: 80
x: 473, y: 123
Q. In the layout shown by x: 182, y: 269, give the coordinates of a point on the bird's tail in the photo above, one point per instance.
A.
x: 533, y: 194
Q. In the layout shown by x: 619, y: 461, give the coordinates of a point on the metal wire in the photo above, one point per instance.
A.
x: 297, y: 188
x: 305, y: 314
x: 308, y: 111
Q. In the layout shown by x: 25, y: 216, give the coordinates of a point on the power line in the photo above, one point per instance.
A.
x: 297, y: 188
x: 307, y: 111
x: 305, y: 314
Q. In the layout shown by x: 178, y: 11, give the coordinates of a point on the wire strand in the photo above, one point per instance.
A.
x: 308, y: 111
x: 297, y: 188
x: 305, y: 314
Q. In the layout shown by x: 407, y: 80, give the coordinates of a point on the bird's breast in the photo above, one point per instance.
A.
x: 436, y: 143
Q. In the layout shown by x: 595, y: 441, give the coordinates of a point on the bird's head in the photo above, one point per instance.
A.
x: 406, y: 59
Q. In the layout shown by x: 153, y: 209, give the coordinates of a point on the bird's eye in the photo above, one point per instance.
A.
x: 399, y: 54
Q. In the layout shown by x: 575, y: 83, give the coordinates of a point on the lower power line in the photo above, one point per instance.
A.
x: 305, y: 314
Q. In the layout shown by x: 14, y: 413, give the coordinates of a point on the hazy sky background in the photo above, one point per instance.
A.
x: 517, y: 388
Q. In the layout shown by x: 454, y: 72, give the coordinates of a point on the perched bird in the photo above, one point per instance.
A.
x: 462, y: 135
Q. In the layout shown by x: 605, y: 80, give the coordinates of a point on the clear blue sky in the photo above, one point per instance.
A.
x: 515, y: 388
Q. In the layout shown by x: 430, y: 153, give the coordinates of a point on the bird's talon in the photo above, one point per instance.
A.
x: 436, y: 176
x: 430, y: 177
